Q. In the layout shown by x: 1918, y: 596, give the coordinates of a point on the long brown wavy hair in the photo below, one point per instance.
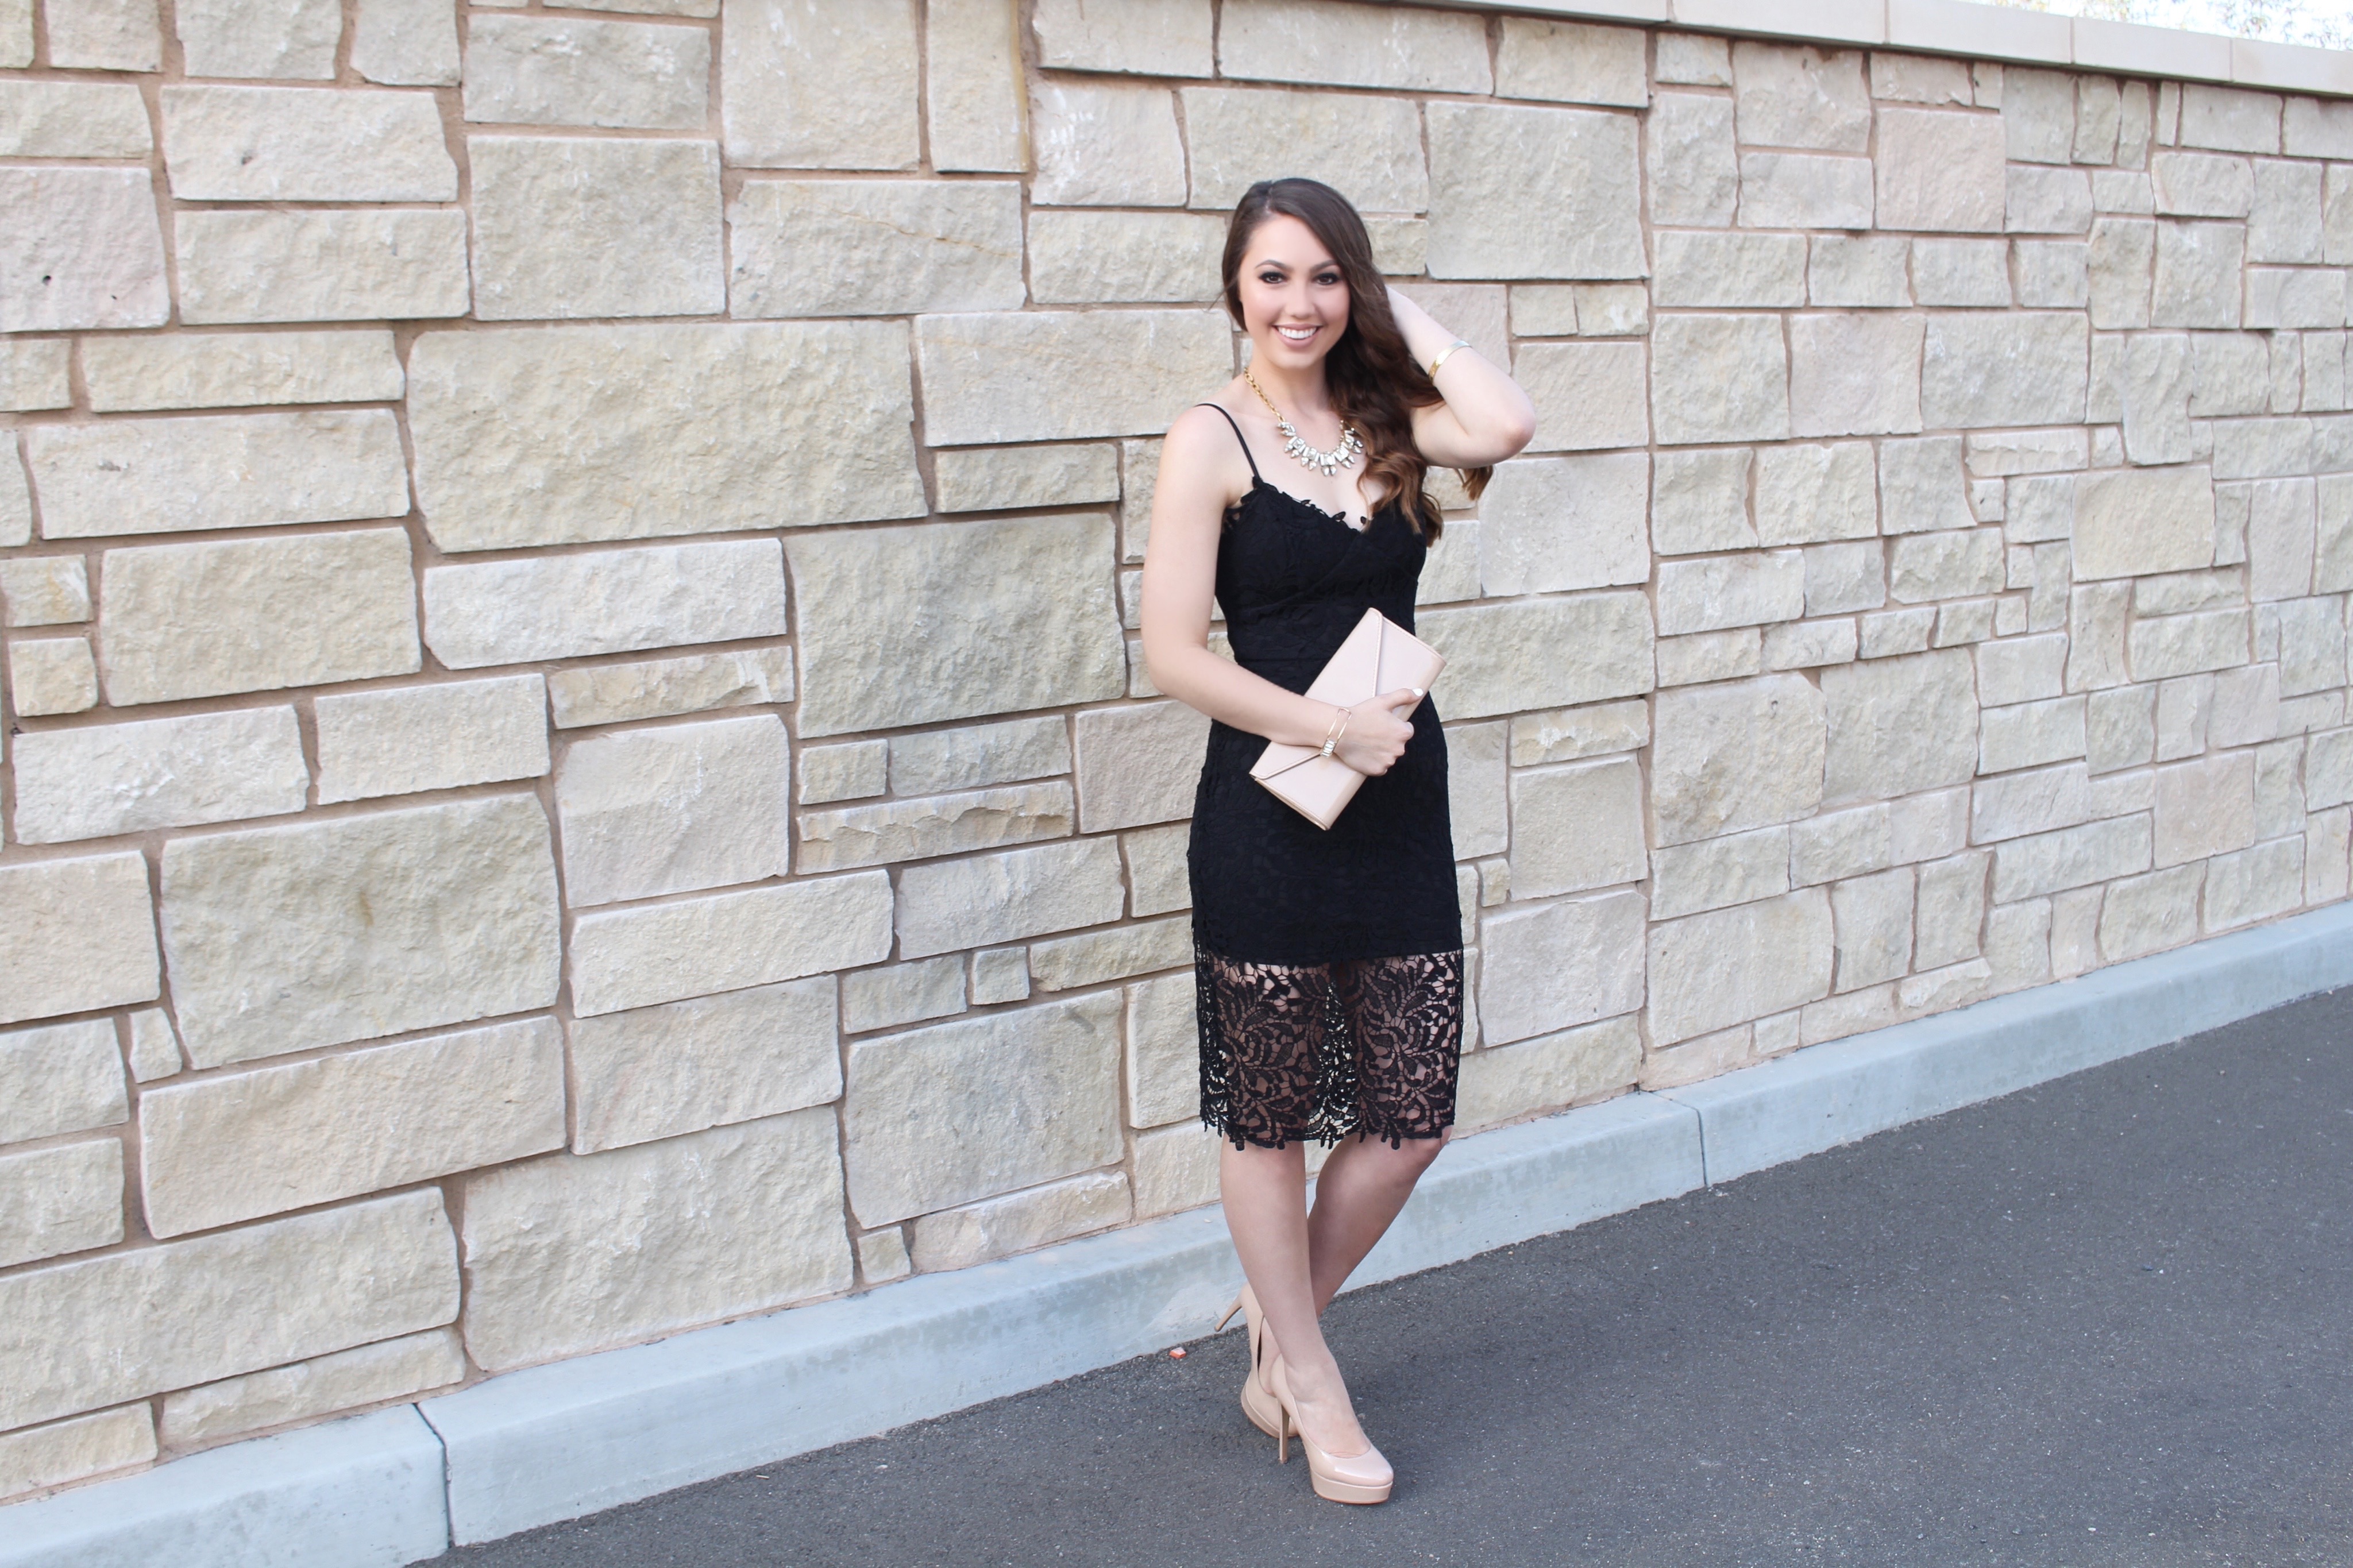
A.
x: 1375, y: 381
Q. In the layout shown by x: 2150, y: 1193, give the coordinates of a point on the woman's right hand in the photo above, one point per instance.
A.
x: 1378, y: 732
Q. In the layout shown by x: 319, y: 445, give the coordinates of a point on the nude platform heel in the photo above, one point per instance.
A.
x: 1363, y: 1478
x: 1257, y: 1403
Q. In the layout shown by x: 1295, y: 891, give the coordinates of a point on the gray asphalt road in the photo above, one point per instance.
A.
x: 2102, y: 1322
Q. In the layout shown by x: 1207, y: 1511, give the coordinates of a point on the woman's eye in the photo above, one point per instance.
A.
x: 1269, y: 279
x: 1328, y: 278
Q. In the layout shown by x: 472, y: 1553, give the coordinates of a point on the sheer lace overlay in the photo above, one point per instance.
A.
x: 1294, y: 1052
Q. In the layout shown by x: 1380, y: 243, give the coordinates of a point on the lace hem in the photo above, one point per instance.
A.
x: 1301, y: 1052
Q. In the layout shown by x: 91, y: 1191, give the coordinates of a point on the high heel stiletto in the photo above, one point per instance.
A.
x: 1257, y: 1403
x: 1363, y: 1478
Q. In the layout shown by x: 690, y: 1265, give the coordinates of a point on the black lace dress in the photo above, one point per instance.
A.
x: 1328, y: 963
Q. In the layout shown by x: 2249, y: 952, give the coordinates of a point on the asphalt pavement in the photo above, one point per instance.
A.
x: 2103, y: 1323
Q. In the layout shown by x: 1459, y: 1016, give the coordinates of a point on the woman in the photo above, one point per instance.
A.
x: 1328, y: 963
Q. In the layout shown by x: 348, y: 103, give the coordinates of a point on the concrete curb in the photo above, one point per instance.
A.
x: 559, y: 1441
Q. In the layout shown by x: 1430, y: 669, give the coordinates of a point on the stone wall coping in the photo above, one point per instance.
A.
x: 1984, y: 32
x: 558, y: 1441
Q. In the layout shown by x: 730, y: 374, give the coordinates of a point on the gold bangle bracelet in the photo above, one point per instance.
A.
x: 1442, y: 353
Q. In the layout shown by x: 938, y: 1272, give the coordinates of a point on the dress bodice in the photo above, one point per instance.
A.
x: 1293, y: 579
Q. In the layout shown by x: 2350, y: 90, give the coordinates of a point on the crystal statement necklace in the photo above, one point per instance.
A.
x: 1343, y: 456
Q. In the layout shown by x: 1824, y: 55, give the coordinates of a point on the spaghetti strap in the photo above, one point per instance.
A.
x: 1238, y: 436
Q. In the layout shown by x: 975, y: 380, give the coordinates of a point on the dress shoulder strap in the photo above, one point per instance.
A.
x: 1238, y: 436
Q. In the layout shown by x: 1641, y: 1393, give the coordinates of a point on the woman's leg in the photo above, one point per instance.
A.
x: 1357, y: 1193
x: 1264, y: 1192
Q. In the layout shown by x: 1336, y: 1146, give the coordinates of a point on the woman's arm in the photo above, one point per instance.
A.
x: 1180, y: 581
x: 1485, y: 418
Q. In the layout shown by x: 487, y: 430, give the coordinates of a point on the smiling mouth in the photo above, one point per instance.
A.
x: 1298, y: 334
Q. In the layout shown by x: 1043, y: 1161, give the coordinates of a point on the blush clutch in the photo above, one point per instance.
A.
x: 1379, y: 656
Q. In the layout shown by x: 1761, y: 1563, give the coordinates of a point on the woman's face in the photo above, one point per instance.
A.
x: 1294, y: 298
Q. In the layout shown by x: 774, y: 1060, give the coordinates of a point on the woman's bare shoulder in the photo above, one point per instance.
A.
x: 1201, y: 441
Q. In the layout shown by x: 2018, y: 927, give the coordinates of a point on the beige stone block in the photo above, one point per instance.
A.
x: 252, y: 614
x: 1939, y: 171
x: 673, y: 809
x: 52, y: 675
x: 1175, y: 1168
x: 154, y: 1046
x: 1699, y: 502
x: 569, y: 226
x: 1081, y: 256
x: 1547, y: 1073
x: 1138, y: 763
x: 1001, y: 974
x: 1157, y: 873
x: 236, y: 1146
x: 894, y: 247
x: 1483, y: 158
x: 2143, y: 915
x: 1896, y: 632
x: 1751, y: 270
x: 230, y: 370
x: 62, y: 1077
x: 960, y: 647
x: 2280, y: 539
x: 1695, y: 59
x: 2197, y: 279
x: 1540, y: 653
x: 1588, y: 394
x: 1551, y: 966
x: 89, y: 1333
x: 1476, y: 789
x: 1711, y: 971
x: 979, y: 754
x: 917, y: 1140
x: 15, y: 33
x: 2325, y: 839
x: 574, y: 1253
x: 567, y: 70
x: 296, y: 266
x: 1969, y: 272
x: 305, y: 145
x: 1102, y: 145
x: 1164, y: 1078
x: 323, y: 1385
x: 1920, y: 79
x: 972, y: 397
x: 406, y: 43
x: 98, y: 780
x: 1006, y: 478
x: 683, y: 429
x: 1719, y: 378
x: 2200, y: 185
x: 2187, y: 645
x: 1706, y: 656
x: 973, y: 97
x: 1694, y: 1061
x: 409, y: 739
x: 1951, y: 911
x: 1949, y: 563
x: 1572, y: 732
x: 2021, y: 669
x: 2255, y: 884
x: 106, y: 35
x: 238, y: 470
x: 294, y: 39
x: 907, y: 829
x: 85, y: 1446
x: 1577, y: 826
x: 727, y: 941
x: 2048, y: 201
x: 2095, y: 636
x: 1005, y: 897
x: 1352, y: 44
x: 1571, y: 62
x: 818, y: 84
x: 1718, y: 591
x: 1368, y: 149
x: 2071, y: 857
x: 1401, y: 245
x: 83, y: 248
x: 1808, y: 645
x: 309, y: 935
x: 2157, y: 390
x: 2120, y: 726
x: 2026, y: 368
x: 73, y: 120
x: 654, y: 689
x: 1553, y: 523
x: 995, y: 1228
x: 1733, y: 757
x: 2038, y: 114
x: 2018, y: 944
x: 1147, y: 38
x: 1714, y: 873
x: 2052, y: 274
x: 1842, y: 577
x: 709, y: 1061
x: 1921, y: 485
x: 33, y: 376
x: 2328, y: 769
x: 608, y: 601
x: 900, y: 994
x: 75, y: 936
x: 1859, y: 271
x: 1791, y: 97
x: 882, y: 1256
x: 1695, y: 170
x: 1956, y: 985
x: 1804, y: 190
x: 1899, y: 725
x: 2205, y: 807
x: 1873, y: 920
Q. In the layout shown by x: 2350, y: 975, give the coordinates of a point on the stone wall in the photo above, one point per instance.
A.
x: 577, y: 764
